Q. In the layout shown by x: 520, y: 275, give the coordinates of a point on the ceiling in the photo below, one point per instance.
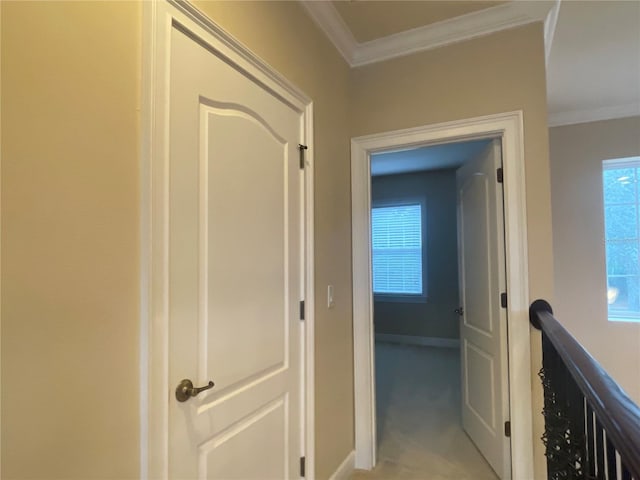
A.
x: 433, y: 157
x: 369, y: 20
x: 592, y: 46
x: 593, y: 70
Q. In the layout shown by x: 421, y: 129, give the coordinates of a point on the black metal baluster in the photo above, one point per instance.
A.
x: 576, y: 435
x: 600, y: 451
x: 551, y: 413
x: 590, y: 441
x: 612, y: 467
x: 564, y: 414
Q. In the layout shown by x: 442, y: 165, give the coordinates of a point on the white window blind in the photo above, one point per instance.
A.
x: 397, y: 249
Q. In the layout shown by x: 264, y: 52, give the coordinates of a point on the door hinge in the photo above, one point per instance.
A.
x: 499, y: 175
x: 503, y: 300
x: 301, y: 309
x: 302, y: 148
x: 507, y: 428
x: 302, y: 466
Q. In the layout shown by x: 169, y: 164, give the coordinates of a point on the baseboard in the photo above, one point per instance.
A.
x: 423, y: 341
x: 346, y: 468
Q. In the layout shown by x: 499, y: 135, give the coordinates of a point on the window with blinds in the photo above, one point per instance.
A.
x: 397, y: 249
x: 622, y: 237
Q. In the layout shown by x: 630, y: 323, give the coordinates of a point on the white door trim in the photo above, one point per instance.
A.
x: 158, y: 17
x: 508, y: 126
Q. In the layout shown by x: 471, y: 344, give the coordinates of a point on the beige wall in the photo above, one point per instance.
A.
x: 70, y: 240
x: 435, y: 317
x: 70, y: 186
x: 70, y: 79
x: 577, y: 152
x: 498, y: 73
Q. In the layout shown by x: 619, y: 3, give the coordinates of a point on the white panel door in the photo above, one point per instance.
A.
x: 483, y: 326
x: 235, y: 270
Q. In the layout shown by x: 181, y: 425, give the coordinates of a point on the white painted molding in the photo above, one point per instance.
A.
x: 550, y: 29
x: 509, y: 126
x: 158, y: 18
x: 363, y: 334
x: 458, y: 29
x: 325, y: 15
x: 346, y: 468
x: 447, y: 32
x: 0, y: 251
x: 571, y: 117
x: 419, y: 341
x: 309, y: 296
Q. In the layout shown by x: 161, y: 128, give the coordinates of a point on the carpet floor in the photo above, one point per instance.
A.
x: 420, y: 436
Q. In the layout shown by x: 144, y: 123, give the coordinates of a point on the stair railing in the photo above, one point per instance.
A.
x: 592, y: 427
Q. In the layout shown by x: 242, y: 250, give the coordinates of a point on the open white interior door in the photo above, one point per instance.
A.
x: 483, y: 326
x: 235, y: 231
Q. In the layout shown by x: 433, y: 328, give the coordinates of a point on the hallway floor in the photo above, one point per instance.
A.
x: 420, y: 435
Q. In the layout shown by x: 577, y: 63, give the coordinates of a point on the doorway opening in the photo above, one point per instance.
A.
x: 430, y: 296
x: 517, y: 385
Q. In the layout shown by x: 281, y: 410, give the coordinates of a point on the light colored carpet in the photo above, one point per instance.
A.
x: 420, y: 435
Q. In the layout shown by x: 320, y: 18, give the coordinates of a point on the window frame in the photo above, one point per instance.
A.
x: 617, y: 164
x: 400, y: 202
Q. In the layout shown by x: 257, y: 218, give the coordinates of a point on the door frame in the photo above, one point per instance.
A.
x: 509, y: 127
x: 155, y: 391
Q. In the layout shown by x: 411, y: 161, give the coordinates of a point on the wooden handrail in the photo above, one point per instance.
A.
x: 618, y: 414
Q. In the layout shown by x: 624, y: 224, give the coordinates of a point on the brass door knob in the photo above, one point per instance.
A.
x: 186, y: 390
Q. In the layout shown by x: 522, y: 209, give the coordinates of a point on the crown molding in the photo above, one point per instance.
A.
x: 458, y: 29
x: 325, y: 15
x: 550, y: 28
x: 611, y: 112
